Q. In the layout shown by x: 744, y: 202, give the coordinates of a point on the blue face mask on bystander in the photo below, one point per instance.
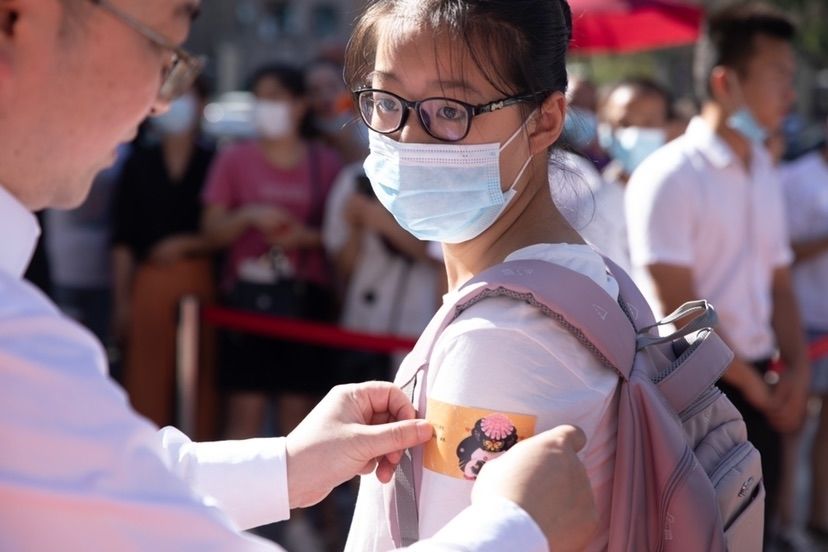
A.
x: 631, y: 145
x: 743, y: 122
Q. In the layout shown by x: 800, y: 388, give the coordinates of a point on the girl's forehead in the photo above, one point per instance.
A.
x: 418, y: 57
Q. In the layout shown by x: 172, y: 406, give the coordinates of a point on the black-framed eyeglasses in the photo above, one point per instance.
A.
x: 180, y: 71
x: 446, y: 119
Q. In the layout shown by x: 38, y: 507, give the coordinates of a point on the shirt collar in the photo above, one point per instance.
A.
x: 19, y: 231
x: 717, y: 151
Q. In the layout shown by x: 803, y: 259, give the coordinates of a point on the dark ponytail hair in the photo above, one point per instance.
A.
x: 519, y: 45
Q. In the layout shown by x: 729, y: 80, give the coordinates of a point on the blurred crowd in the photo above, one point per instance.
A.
x: 280, y: 219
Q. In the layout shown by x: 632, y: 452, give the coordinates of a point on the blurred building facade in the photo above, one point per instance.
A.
x: 239, y: 35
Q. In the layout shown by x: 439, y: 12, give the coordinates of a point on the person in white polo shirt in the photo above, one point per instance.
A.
x: 79, y: 469
x: 706, y: 220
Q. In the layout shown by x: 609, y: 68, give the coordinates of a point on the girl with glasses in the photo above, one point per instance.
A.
x: 465, y: 104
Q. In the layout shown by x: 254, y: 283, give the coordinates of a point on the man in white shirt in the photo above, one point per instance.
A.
x: 79, y: 470
x: 706, y: 219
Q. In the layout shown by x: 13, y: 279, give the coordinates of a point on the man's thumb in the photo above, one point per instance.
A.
x: 395, y: 436
x: 568, y: 436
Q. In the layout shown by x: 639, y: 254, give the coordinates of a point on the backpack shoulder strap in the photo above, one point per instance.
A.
x: 573, y: 300
x: 635, y: 306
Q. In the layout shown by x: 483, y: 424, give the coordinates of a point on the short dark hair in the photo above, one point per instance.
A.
x: 519, y: 45
x: 293, y: 80
x: 729, y: 39
x: 289, y: 76
x: 642, y: 85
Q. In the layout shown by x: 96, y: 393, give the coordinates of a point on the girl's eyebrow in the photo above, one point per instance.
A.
x: 441, y: 84
x: 455, y: 85
x: 383, y: 74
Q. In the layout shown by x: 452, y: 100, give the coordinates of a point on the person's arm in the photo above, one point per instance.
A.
x: 674, y: 286
x: 809, y: 249
x: 537, y: 491
x: 791, y: 392
x: 346, y: 258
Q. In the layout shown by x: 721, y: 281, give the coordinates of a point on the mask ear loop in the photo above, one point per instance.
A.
x: 510, y: 192
x: 733, y: 80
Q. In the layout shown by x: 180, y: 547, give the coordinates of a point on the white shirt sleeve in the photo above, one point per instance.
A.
x: 490, y: 526
x: 80, y: 470
x: 230, y: 472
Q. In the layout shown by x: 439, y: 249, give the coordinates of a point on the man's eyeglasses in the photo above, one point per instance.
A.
x: 446, y: 119
x: 181, y: 70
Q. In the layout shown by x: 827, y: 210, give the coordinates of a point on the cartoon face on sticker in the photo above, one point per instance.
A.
x: 465, y: 438
x: 490, y: 437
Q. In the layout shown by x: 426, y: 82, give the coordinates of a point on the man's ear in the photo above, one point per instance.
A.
x: 547, y: 123
x: 722, y: 87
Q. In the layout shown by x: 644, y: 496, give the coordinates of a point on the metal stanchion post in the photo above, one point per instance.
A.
x: 187, y: 363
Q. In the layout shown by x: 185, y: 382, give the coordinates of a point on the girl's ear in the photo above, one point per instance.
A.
x: 547, y: 123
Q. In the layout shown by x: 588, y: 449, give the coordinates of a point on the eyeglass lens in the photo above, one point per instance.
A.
x: 441, y: 117
x: 179, y: 77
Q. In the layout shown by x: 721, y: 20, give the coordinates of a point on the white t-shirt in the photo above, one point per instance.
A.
x: 387, y: 293
x: 502, y: 355
x: 593, y: 205
x: 692, y: 204
x: 805, y: 183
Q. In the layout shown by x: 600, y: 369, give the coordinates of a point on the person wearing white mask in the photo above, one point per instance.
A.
x: 264, y: 203
x: 706, y: 219
x: 466, y: 102
x: 158, y: 252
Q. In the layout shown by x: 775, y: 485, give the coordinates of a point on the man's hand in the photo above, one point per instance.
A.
x: 353, y: 430
x: 789, y: 400
x: 750, y: 384
x: 544, y: 476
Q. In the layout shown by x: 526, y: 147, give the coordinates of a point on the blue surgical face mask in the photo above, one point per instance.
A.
x: 630, y: 146
x: 745, y: 123
x: 580, y: 127
x: 448, y: 193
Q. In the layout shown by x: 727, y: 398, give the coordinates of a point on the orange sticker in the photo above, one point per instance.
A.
x: 465, y: 438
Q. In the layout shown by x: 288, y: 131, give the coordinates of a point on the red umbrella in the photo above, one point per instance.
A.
x: 624, y: 26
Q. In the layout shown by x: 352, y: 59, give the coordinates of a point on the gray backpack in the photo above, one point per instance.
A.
x: 686, y: 477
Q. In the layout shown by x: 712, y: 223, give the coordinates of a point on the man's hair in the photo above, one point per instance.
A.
x: 640, y: 85
x: 729, y: 39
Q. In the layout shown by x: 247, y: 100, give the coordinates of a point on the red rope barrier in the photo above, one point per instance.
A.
x: 334, y: 336
x: 818, y: 349
x: 304, y: 331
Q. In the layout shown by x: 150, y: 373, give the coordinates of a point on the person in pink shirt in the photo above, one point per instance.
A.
x: 264, y: 203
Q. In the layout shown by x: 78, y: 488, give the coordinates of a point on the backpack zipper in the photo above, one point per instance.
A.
x: 710, y: 395
x: 685, y: 464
